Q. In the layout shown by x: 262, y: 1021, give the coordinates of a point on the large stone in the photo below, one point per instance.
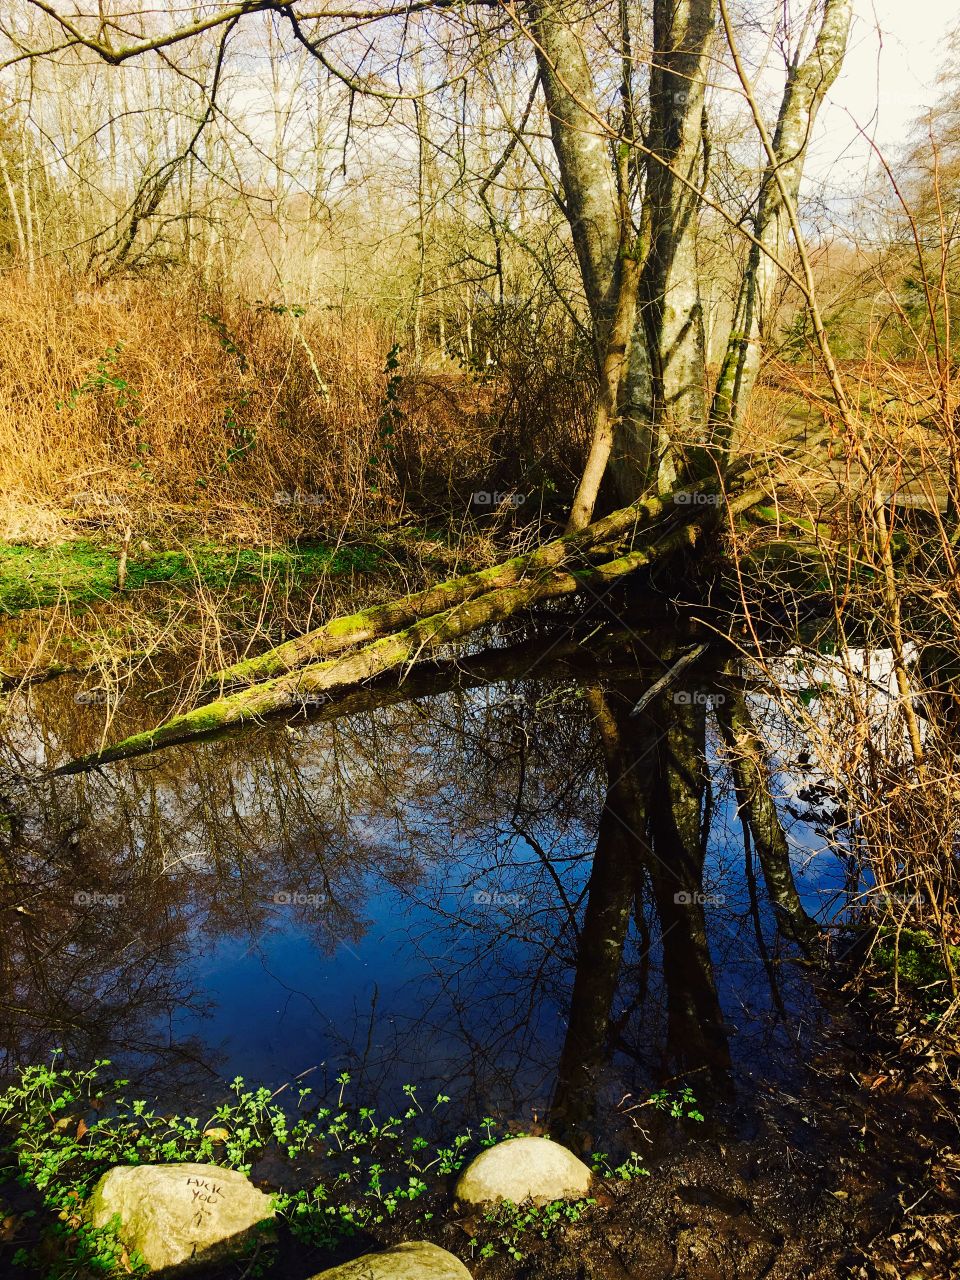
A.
x: 416, y: 1260
x: 180, y: 1215
x: 524, y: 1169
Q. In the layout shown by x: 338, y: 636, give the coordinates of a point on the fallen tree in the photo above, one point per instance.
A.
x: 655, y: 529
x: 381, y: 620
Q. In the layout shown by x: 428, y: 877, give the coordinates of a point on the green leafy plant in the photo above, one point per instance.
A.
x: 68, y: 1127
x: 632, y: 1167
x: 243, y: 439
x: 226, y: 339
x: 915, y: 958
x: 510, y: 1224
x: 140, y: 465
x: 295, y: 310
x: 104, y: 377
x: 680, y: 1106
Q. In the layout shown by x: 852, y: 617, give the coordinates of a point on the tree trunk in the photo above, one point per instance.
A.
x: 598, y: 214
x: 751, y: 780
x: 612, y: 378
x: 617, y: 863
x: 696, y: 1036
x: 662, y: 378
x: 670, y: 307
x: 582, y: 147
x: 380, y: 620
x: 807, y: 85
x: 392, y: 651
x: 680, y: 530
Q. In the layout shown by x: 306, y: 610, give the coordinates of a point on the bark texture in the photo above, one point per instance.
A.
x: 598, y: 214
x: 380, y: 620
x: 660, y: 374
x: 670, y: 306
x: 613, y: 378
x: 808, y: 81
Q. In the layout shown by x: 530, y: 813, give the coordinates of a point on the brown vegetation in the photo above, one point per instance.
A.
x: 170, y: 402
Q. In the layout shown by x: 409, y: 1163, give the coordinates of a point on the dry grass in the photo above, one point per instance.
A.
x: 162, y: 403
x: 166, y: 415
x: 820, y: 562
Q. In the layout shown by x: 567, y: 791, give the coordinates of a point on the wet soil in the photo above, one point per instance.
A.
x: 853, y: 1175
x: 858, y: 1175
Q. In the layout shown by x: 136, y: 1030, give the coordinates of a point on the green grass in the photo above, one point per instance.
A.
x: 84, y: 573
x: 32, y: 576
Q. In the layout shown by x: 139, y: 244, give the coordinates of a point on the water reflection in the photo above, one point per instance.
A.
x: 495, y: 880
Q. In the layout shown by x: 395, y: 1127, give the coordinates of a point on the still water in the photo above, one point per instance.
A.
x: 492, y: 881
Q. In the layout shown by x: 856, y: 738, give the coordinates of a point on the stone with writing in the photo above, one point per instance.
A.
x: 181, y: 1216
x: 520, y: 1169
x: 415, y: 1260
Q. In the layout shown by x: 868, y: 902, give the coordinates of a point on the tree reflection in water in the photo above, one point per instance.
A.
x: 493, y: 879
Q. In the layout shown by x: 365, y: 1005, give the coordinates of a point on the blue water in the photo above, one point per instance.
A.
x: 369, y: 895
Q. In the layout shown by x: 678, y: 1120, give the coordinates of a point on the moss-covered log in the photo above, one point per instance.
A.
x: 390, y: 652
x: 553, y: 655
x: 382, y: 620
x: 406, y: 646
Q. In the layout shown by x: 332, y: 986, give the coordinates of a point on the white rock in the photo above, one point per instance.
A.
x: 180, y: 1215
x: 524, y: 1169
x: 416, y: 1260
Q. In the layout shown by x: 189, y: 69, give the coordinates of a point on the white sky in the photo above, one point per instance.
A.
x: 897, y: 49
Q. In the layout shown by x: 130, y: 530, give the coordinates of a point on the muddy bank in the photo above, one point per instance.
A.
x: 855, y: 1175
x: 852, y: 1174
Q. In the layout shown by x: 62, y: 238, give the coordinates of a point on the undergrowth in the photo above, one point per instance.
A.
x: 289, y: 418
x: 914, y: 960
x: 63, y: 1129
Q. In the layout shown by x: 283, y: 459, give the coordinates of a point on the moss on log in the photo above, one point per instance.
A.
x: 407, y: 645
x: 387, y: 653
x: 381, y: 620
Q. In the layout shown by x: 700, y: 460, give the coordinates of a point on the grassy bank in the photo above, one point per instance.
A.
x: 62, y: 608
x: 83, y: 572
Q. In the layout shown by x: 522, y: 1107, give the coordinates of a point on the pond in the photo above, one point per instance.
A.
x: 490, y: 880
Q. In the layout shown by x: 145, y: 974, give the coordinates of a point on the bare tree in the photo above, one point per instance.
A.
x: 809, y: 79
x: 630, y: 148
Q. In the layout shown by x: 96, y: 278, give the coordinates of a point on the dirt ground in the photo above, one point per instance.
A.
x: 857, y: 1176
x: 854, y: 1176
